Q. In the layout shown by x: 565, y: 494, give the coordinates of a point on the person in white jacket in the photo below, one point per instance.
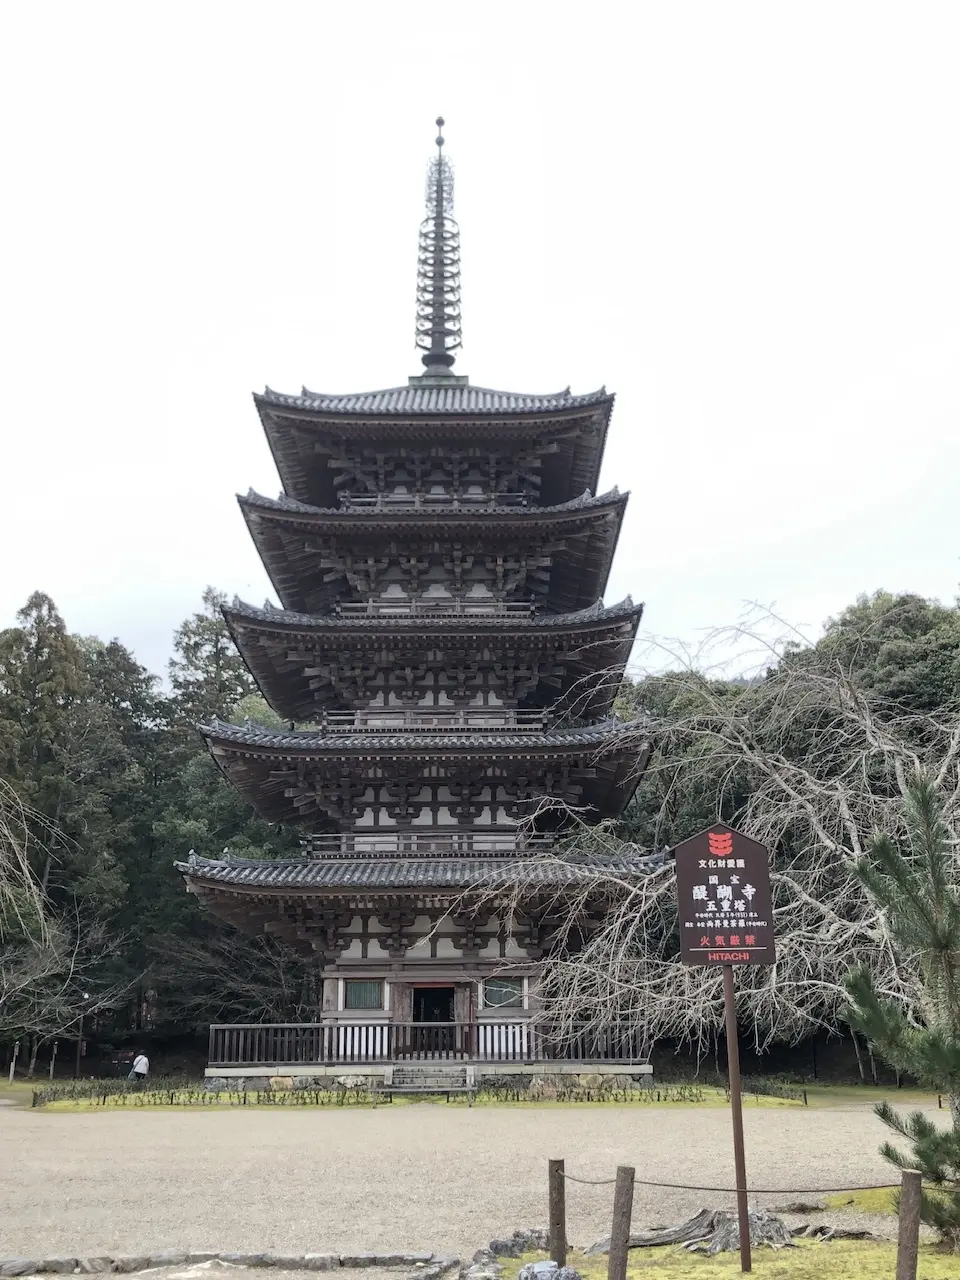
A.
x: 141, y: 1067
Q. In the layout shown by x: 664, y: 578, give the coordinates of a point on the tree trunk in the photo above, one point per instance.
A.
x: 34, y: 1052
x: 856, y: 1047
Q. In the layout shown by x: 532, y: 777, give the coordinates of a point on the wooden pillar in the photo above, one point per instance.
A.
x: 558, y: 1212
x: 620, y: 1227
x: 908, y: 1240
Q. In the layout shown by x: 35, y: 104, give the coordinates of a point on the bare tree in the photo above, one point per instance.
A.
x: 235, y: 978
x: 51, y: 964
x: 800, y: 757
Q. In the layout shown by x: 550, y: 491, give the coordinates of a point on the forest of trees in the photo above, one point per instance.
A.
x: 106, y: 783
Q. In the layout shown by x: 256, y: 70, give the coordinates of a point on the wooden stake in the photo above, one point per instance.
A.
x: 13, y: 1061
x: 53, y: 1058
x: 620, y: 1229
x: 736, y: 1107
x: 908, y: 1240
x: 558, y: 1213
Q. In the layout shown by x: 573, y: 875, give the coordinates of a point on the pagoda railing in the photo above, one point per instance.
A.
x: 432, y: 501
x: 431, y: 719
x: 360, y: 1043
x: 427, y: 843
x: 437, y: 608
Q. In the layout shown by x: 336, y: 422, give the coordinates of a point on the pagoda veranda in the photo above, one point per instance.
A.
x: 440, y: 557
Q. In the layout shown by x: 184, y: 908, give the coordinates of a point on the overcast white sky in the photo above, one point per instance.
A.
x: 744, y: 218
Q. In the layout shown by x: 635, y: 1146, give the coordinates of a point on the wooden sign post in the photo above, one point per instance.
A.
x: 725, y: 915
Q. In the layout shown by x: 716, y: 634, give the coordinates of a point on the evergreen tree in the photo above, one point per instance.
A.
x: 918, y: 888
x: 207, y: 674
x: 58, y: 744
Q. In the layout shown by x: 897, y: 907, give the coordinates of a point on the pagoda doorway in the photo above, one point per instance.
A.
x: 433, y: 1004
x: 432, y: 1033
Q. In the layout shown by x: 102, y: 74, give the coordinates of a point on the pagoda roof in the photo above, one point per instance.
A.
x: 270, y: 767
x: 430, y: 397
x: 278, y: 645
x: 317, y: 742
x: 428, y: 413
x: 378, y: 873
x: 411, y: 517
x: 269, y: 618
x: 303, y: 583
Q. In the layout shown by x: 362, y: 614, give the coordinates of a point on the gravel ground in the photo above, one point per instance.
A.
x: 406, y: 1178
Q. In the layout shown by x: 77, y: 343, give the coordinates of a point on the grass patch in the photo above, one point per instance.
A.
x: 866, y: 1095
x: 863, y: 1201
x: 835, y: 1260
x: 88, y: 1095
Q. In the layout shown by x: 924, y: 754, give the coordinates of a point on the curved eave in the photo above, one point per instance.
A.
x: 241, y: 616
x: 261, y: 764
x: 486, y: 518
x: 590, y: 528
x: 301, y: 875
x: 278, y: 647
x: 309, y: 744
x: 430, y: 401
x: 294, y: 429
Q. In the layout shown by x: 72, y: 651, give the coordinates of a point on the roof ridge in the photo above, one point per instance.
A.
x: 285, y: 503
x: 432, y: 399
x: 597, y: 611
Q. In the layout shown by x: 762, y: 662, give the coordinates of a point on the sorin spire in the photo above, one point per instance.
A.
x: 438, y: 270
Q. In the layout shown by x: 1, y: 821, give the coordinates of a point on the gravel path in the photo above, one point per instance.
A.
x: 415, y: 1177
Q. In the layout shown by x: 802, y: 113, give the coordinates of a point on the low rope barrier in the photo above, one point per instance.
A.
x: 759, y: 1191
x: 620, y: 1242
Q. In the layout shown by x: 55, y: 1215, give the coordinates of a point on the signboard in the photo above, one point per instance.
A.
x: 725, y: 907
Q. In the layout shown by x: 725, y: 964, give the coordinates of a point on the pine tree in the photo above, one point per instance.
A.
x: 918, y: 888
x: 208, y: 675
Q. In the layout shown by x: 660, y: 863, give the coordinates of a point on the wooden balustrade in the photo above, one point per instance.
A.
x: 441, y: 606
x: 428, y: 843
x: 357, y: 1043
x: 432, y: 720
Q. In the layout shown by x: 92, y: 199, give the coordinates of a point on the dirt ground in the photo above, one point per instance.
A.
x: 418, y: 1177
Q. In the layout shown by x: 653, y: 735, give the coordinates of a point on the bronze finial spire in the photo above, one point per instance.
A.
x: 438, y: 270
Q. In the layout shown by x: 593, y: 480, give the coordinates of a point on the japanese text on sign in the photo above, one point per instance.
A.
x: 724, y: 899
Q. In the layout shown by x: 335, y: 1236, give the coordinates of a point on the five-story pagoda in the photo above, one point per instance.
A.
x: 440, y: 557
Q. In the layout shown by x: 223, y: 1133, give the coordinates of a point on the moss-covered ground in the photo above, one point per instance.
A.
x: 834, y: 1260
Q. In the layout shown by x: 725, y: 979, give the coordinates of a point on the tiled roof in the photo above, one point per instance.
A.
x: 406, y: 873
x: 482, y: 740
x: 433, y: 398
x: 426, y: 623
x: 585, y: 502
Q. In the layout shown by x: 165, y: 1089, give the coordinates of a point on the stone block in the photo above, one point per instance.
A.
x: 358, y: 1260
x: 321, y: 1261
x: 168, y: 1258
x: 285, y: 1261
x: 590, y: 1080
x: 59, y: 1266
x: 19, y: 1266
x: 242, y: 1259
x: 415, y: 1259
x: 447, y: 1263
x: 279, y: 1084
x: 126, y: 1263
x: 94, y: 1266
x: 529, y: 1238
x: 539, y: 1271
x: 503, y: 1249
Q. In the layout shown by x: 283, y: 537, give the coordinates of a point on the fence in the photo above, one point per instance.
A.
x: 359, y: 1043
x: 908, y: 1239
